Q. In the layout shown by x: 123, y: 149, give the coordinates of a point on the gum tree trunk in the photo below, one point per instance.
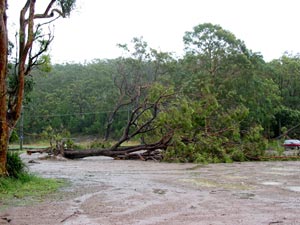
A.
x: 11, y: 105
x: 4, y: 131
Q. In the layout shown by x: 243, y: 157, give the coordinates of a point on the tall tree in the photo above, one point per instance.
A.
x: 27, y: 58
x: 219, y: 61
x: 3, y: 71
x: 285, y: 73
x: 211, y: 45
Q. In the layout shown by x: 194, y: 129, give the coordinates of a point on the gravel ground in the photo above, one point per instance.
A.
x: 111, y: 192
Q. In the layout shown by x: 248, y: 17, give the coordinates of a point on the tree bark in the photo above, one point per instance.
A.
x: 4, y: 131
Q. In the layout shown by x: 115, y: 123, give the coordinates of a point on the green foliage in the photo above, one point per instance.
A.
x: 15, y: 166
x: 67, y: 98
x: 45, y: 64
x: 213, y: 46
x: 287, y: 118
x: 208, y: 36
x: 221, y: 62
x: 70, y: 144
x: 14, y: 137
x: 253, y: 143
x: 285, y: 73
x: 13, y: 84
x: 58, y: 139
x: 275, y: 145
x: 66, y: 6
x: 205, y: 133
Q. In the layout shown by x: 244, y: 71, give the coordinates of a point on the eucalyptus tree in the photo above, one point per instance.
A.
x: 210, y: 45
x: 32, y: 43
x: 220, y: 62
x: 215, y: 59
x: 285, y: 72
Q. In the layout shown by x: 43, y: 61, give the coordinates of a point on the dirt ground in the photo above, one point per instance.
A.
x: 111, y: 192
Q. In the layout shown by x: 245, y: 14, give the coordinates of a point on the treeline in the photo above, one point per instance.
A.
x: 73, y: 97
x: 219, y: 101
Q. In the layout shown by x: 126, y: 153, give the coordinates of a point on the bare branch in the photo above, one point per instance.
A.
x: 45, y: 16
x: 146, y: 126
x: 48, y: 13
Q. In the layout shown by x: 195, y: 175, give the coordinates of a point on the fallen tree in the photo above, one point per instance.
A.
x: 144, y: 98
x: 141, y: 121
x: 143, y: 151
x: 138, y: 92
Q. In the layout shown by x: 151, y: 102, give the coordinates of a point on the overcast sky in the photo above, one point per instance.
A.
x: 96, y: 26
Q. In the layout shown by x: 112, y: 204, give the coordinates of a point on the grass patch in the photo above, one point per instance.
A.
x: 26, y: 189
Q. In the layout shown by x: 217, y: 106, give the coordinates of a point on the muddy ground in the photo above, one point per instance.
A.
x: 111, y: 192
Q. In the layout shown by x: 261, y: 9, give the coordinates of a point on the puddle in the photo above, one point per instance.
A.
x: 214, y: 184
x: 279, y: 173
x: 272, y: 183
x: 294, y: 188
x: 244, y: 195
x: 159, y: 191
x: 201, y: 182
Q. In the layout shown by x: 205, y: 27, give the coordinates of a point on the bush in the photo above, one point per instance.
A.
x: 14, y: 137
x: 15, y: 166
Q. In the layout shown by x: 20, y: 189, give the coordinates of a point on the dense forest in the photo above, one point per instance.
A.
x: 218, y: 102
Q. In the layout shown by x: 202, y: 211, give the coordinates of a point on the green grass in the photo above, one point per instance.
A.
x: 26, y: 189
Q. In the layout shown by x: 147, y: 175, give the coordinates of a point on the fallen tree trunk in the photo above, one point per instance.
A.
x: 143, y: 155
x: 149, y: 151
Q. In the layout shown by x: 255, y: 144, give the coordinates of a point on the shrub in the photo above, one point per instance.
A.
x: 15, y: 166
x: 14, y: 137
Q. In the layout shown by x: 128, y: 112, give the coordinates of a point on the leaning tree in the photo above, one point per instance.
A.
x: 32, y: 43
x: 138, y: 80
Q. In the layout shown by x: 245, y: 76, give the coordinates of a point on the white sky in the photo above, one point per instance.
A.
x: 96, y: 26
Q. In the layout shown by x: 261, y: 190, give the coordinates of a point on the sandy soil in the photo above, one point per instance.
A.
x: 110, y: 192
